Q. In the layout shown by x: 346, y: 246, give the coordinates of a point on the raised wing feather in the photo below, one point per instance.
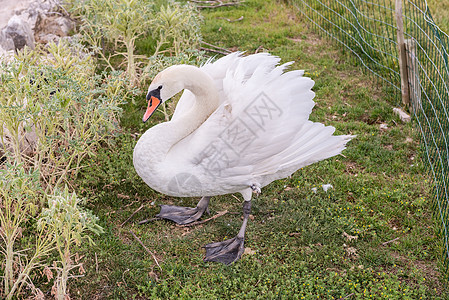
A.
x: 260, y: 132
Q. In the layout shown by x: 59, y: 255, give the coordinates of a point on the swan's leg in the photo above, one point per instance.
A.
x: 184, y: 215
x: 231, y: 250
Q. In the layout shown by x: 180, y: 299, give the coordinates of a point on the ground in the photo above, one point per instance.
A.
x: 371, y: 236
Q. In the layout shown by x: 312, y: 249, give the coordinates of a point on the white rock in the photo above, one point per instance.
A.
x: 10, y: 8
x: 20, y: 32
x: 6, y: 41
x: 402, y: 115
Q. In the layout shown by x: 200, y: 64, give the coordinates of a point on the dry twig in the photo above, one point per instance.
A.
x: 132, y: 215
x: 213, y: 50
x: 215, y: 3
x: 231, y: 21
x: 96, y: 262
x: 219, y: 214
x: 216, y: 47
x: 148, y: 250
x: 385, y: 243
x: 148, y: 221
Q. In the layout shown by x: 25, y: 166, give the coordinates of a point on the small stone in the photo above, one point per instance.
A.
x: 402, y: 115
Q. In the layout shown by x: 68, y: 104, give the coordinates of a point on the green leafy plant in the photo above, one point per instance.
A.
x: 69, y: 224
x: 20, y: 196
x: 54, y: 110
x: 118, y: 21
x: 117, y: 24
x: 176, y: 25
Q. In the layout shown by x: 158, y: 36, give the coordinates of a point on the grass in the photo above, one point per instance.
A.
x: 371, y: 236
x: 438, y: 9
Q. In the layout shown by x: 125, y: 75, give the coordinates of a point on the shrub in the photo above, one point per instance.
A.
x: 54, y: 111
x: 20, y: 196
x: 68, y: 224
x: 172, y: 28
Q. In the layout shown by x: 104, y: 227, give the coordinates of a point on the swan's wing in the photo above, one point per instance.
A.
x: 219, y: 70
x: 261, y: 131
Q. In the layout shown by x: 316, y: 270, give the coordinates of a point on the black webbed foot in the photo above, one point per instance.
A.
x: 180, y: 215
x: 225, y: 252
x: 184, y: 215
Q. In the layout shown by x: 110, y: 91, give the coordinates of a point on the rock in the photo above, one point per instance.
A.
x: 47, y: 38
x: 20, y: 32
x: 31, y: 21
x: 50, y: 28
x: 10, y: 8
x: 28, y: 140
x: 402, y: 115
x: 6, y: 41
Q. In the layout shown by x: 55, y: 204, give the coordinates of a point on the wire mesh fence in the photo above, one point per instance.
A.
x: 369, y: 29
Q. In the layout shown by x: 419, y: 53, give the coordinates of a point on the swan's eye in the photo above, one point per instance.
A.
x: 159, y: 87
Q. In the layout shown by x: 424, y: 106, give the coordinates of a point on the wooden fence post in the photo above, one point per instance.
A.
x: 402, y: 55
x: 413, y: 75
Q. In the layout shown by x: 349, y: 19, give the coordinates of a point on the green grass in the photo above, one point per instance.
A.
x: 439, y: 9
x: 380, y: 195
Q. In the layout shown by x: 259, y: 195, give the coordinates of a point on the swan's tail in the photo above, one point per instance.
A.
x: 313, y: 142
x: 288, y: 141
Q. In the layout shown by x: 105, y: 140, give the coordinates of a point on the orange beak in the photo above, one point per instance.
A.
x: 153, y: 104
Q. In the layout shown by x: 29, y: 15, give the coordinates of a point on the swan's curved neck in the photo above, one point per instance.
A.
x: 206, y: 100
x: 161, y: 138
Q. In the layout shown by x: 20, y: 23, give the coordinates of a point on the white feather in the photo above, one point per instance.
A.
x: 257, y: 132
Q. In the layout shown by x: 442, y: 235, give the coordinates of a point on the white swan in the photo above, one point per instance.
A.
x: 240, y: 124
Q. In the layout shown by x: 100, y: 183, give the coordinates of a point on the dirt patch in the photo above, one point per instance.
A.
x: 353, y: 168
x: 311, y: 39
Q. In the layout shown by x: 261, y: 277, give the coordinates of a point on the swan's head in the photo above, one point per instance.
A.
x: 165, y: 85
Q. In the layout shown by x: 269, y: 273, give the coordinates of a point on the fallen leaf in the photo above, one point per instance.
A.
x: 154, y: 275
x: 249, y: 251
x: 349, y: 237
x: 351, y: 252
